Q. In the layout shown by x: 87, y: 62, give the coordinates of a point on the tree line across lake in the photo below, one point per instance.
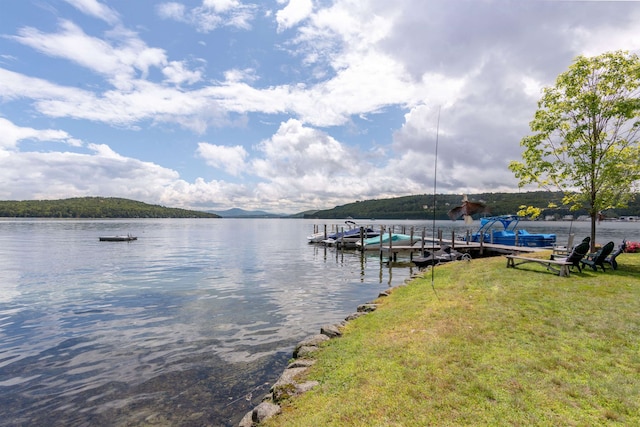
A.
x: 406, y: 207
x: 422, y: 206
x: 93, y: 207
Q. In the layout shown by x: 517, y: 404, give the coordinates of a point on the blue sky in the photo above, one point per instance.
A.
x: 283, y: 105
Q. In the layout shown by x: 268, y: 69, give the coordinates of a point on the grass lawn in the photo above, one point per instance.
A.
x: 491, y: 346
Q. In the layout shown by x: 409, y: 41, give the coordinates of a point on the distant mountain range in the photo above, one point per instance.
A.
x: 241, y: 213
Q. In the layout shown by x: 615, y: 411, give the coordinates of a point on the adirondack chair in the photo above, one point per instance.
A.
x: 577, y: 254
x: 597, y: 258
x: 611, y: 259
x: 564, y: 250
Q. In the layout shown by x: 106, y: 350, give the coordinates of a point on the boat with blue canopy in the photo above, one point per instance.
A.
x: 502, y: 230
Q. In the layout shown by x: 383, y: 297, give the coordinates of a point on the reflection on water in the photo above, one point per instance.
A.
x: 188, y: 325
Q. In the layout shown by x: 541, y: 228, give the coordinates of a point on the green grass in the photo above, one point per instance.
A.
x: 491, y: 346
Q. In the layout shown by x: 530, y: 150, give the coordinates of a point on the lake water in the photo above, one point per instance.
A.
x: 187, y: 326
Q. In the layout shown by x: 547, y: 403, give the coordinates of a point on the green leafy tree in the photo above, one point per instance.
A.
x: 585, y: 135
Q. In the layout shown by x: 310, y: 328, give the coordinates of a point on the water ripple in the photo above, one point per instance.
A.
x: 195, y: 317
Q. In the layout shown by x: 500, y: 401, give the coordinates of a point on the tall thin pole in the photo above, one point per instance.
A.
x: 435, y: 181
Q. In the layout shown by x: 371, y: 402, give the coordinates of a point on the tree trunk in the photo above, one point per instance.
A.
x: 593, y: 233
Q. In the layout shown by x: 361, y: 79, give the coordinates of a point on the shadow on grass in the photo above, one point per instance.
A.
x: 629, y: 269
x: 623, y: 270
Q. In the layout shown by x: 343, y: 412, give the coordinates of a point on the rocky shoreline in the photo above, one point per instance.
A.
x: 287, y: 385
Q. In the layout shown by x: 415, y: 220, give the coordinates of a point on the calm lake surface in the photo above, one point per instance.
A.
x: 187, y: 326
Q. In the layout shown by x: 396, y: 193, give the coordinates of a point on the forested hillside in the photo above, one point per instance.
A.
x: 93, y: 207
x: 421, y: 206
x: 407, y: 207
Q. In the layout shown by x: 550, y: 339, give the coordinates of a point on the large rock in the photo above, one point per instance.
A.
x: 332, y: 331
x: 304, y: 351
x: 309, y: 345
x: 354, y: 316
x: 288, y: 390
x: 367, y: 308
x: 301, y: 363
x: 313, y: 340
x: 264, y: 411
x: 247, y: 420
x: 286, y: 385
x: 288, y: 376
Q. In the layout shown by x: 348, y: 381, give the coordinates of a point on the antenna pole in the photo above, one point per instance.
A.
x: 435, y: 180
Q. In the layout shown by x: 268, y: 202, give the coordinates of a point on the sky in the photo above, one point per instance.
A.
x: 281, y: 105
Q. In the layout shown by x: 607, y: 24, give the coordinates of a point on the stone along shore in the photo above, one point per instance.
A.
x: 287, y: 385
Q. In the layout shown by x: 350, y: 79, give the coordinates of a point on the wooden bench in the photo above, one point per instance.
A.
x: 560, y: 267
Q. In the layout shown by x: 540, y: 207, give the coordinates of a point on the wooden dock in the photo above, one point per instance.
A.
x: 475, y: 249
x: 392, y: 250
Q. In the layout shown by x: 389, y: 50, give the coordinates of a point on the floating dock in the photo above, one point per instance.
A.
x: 127, y: 238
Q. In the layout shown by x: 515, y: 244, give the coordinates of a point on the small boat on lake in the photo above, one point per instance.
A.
x: 127, y: 238
x: 396, y: 239
x: 321, y: 235
x: 348, y: 236
x: 509, y: 235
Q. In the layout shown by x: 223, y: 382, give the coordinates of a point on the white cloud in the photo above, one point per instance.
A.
x: 221, y: 5
x: 229, y: 159
x: 293, y: 13
x: 203, y: 194
x: 365, y: 79
x: 608, y: 37
x: 361, y: 77
x: 118, y: 63
x: 11, y: 135
x: 96, y: 9
x: 211, y: 15
x: 301, y: 166
x: 532, y: 87
x: 356, y: 88
x: 298, y: 152
x: 236, y: 76
x: 16, y: 86
x: 104, y: 172
x: 144, y: 101
x: 104, y: 151
x: 52, y: 175
x: 171, y: 10
x: 176, y: 73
